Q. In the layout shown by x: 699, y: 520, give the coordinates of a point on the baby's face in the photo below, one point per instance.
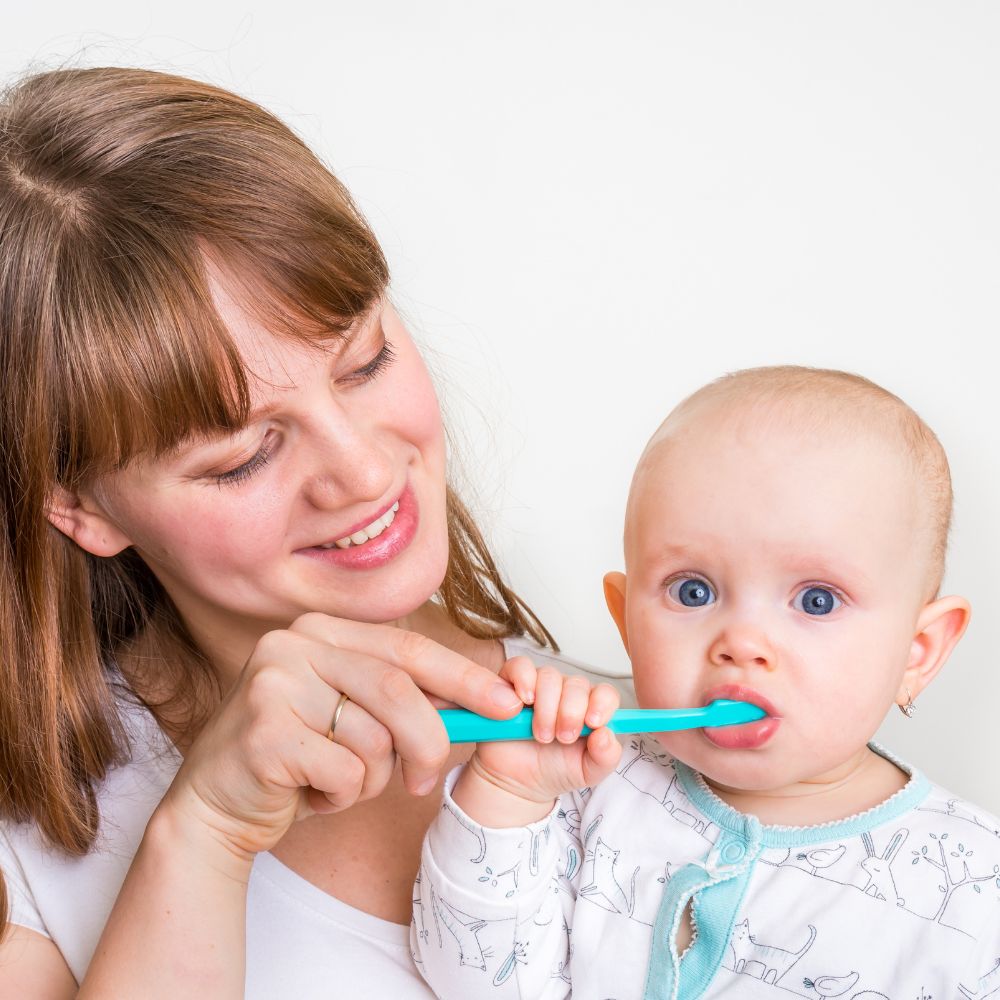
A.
x: 783, y: 567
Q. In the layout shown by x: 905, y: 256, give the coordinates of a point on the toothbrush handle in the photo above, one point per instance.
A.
x: 467, y: 727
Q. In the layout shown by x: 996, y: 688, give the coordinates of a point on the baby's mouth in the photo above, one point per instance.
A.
x: 749, y: 735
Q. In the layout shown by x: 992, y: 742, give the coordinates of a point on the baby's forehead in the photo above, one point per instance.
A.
x: 723, y: 445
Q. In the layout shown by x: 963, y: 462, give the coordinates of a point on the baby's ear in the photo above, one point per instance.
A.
x: 939, y: 627
x: 614, y: 595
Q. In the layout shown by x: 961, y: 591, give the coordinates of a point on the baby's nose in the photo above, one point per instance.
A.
x: 743, y: 646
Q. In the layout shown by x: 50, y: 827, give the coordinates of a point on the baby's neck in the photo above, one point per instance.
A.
x: 862, y: 782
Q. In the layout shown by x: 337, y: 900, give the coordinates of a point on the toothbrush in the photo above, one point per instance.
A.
x: 467, y: 727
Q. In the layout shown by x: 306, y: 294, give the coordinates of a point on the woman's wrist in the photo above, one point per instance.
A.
x: 177, y: 828
x: 178, y: 926
x: 493, y: 802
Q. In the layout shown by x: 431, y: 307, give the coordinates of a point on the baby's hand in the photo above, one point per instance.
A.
x: 515, y: 783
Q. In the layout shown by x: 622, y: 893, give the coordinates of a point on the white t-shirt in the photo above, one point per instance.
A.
x: 301, y: 941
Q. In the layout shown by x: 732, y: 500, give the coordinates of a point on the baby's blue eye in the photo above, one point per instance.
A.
x: 817, y: 601
x: 691, y: 592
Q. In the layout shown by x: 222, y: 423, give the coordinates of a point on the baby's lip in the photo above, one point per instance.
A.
x: 739, y: 692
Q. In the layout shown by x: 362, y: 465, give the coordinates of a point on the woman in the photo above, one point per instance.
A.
x: 232, y: 566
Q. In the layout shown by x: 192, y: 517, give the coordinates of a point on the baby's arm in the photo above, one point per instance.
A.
x: 515, y: 783
x: 493, y: 910
x: 492, y: 914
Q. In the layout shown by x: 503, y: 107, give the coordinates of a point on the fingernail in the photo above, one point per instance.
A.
x: 504, y: 696
x: 567, y: 736
x: 544, y: 736
x: 425, y: 786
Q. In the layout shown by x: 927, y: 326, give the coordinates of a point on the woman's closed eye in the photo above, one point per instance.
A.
x: 249, y: 468
x: 371, y: 371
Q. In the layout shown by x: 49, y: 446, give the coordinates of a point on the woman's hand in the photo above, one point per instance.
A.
x: 264, y: 759
x: 515, y: 783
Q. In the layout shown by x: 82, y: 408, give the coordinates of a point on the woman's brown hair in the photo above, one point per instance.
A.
x: 114, y: 184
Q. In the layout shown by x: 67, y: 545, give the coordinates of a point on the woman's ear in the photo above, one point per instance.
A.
x: 82, y: 519
x: 614, y: 595
x: 939, y: 627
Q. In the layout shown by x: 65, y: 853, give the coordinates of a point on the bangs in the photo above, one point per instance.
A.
x: 145, y: 360
x: 118, y: 188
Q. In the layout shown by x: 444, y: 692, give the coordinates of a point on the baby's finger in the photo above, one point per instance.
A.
x: 604, y: 702
x: 572, y: 708
x: 521, y: 673
x: 601, y: 756
x: 548, y: 689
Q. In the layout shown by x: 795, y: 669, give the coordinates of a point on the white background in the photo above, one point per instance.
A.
x: 592, y: 209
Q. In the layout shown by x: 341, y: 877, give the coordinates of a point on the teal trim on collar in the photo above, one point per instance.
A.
x: 733, y: 821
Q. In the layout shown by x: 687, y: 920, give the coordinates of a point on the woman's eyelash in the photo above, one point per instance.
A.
x: 377, y: 365
x: 243, y: 472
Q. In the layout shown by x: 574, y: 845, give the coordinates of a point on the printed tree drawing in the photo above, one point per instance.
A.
x: 952, y: 884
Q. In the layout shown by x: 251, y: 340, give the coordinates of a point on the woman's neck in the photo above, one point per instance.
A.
x: 864, y: 781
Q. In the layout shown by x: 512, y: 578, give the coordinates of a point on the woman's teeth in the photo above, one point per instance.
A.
x: 367, y: 533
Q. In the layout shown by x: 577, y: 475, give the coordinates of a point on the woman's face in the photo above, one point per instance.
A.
x: 247, y: 532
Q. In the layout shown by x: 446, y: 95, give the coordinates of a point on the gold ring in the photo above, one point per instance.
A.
x: 336, y: 715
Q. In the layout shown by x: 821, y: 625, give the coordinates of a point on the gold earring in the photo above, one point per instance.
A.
x: 909, y: 708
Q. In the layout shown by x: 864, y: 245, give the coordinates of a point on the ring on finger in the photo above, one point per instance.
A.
x: 336, y: 715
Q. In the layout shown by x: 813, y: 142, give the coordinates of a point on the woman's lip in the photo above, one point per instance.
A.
x: 379, y: 550
x: 361, y: 524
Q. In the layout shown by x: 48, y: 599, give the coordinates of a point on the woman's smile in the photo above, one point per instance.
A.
x: 376, y: 543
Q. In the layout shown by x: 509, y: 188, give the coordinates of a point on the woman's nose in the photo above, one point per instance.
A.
x: 743, y: 645
x: 350, y: 463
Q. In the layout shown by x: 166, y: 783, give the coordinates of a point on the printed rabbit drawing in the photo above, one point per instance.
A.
x: 773, y: 963
x: 881, y: 884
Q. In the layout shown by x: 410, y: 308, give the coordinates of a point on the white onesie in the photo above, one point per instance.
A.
x: 901, y: 902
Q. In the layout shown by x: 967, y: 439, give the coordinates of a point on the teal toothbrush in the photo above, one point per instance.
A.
x: 467, y: 727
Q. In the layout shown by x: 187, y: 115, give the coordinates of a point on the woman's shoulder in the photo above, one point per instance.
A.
x: 67, y: 897
x: 522, y: 645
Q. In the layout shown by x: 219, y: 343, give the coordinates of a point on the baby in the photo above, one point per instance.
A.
x: 784, y: 545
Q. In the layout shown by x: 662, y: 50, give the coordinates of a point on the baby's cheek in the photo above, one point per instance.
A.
x: 656, y: 688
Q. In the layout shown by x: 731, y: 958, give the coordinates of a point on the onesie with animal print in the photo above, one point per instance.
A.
x: 901, y: 902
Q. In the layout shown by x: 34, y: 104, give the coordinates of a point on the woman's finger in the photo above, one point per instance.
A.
x: 358, y: 731
x: 328, y: 768
x: 433, y: 667
x: 391, y: 697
